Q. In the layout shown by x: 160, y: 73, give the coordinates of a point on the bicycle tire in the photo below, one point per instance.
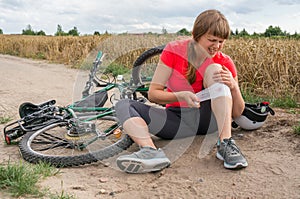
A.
x: 30, y: 151
x: 144, y: 61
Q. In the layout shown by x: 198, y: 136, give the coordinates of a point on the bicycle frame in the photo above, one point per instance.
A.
x: 85, y: 131
x: 59, y: 114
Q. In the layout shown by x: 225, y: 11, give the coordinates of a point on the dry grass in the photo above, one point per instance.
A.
x: 266, y: 66
x: 68, y: 50
x: 124, y: 49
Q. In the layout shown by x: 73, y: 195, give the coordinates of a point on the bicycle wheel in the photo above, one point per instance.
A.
x: 63, y: 145
x: 144, y: 68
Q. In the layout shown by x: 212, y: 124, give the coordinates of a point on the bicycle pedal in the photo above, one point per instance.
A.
x: 117, y: 133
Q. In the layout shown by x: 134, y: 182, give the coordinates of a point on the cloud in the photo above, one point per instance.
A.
x: 245, y: 7
x: 12, y: 4
x: 141, y: 15
x: 144, y: 15
x: 288, y: 2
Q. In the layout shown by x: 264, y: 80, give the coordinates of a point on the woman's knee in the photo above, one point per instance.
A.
x: 123, y: 103
x: 122, y: 109
x: 208, y: 74
x: 127, y: 108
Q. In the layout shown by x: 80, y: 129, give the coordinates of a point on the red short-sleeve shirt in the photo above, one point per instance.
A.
x: 174, y: 55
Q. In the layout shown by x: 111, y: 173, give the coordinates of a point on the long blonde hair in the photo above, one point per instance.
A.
x: 212, y: 22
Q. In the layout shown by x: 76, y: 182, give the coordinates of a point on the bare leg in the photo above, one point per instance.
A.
x: 138, y: 130
x: 222, y: 109
x: 221, y: 106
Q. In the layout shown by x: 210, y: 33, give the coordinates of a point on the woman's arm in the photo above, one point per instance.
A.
x: 238, y: 103
x: 157, y: 93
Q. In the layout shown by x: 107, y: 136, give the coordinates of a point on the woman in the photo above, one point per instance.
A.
x: 187, y: 67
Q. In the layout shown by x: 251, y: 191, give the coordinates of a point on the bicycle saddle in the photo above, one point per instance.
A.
x: 28, y: 108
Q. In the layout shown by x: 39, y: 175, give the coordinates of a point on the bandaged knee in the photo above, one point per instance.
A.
x: 214, y: 91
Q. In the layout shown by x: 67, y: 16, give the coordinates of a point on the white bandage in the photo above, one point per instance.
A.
x: 214, y: 91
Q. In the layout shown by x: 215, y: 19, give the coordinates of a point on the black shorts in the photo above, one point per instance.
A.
x: 172, y: 122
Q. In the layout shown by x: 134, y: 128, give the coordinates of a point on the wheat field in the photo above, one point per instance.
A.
x: 266, y: 67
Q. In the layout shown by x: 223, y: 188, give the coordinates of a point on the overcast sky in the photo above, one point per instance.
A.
x: 136, y: 16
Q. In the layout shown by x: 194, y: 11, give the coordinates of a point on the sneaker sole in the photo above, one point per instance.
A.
x: 238, y: 165
x: 132, y: 165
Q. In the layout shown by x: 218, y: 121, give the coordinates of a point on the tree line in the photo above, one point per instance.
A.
x: 59, y: 32
x: 271, y: 31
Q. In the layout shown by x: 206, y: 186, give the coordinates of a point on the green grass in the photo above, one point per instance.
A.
x: 285, y: 102
x: 297, y: 129
x: 20, y: 179
x: 5, y: 119
x: 116, y: 69
x: 62, y: 195
x: 280, y: 102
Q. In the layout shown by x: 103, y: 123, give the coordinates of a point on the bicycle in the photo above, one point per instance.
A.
x: 84, y: 131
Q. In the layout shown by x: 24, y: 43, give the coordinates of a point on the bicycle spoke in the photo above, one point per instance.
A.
x: 57, y: 145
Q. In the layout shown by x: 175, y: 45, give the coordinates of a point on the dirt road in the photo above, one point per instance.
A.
x: 272, y: 152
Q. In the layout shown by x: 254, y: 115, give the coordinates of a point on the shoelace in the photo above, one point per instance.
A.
x: 233, y: 149
x: 145, y: 154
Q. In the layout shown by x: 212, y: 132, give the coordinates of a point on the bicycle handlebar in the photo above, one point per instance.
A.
x: 93, y: 71
x: 99, y: 55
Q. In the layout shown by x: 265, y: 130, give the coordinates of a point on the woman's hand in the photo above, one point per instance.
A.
x: 190, y: 98
x: 224, y: 76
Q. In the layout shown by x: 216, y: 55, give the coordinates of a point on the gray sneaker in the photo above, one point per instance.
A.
x: 231, y: 154
x: 145, y: 160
